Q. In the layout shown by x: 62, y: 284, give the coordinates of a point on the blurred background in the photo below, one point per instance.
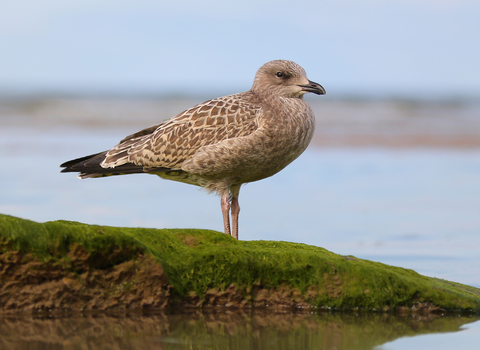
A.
x: 401, y: 48
x: 393, y: 173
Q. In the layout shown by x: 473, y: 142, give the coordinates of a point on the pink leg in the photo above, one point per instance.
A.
x: 235, y: 211
x: 226, y: 212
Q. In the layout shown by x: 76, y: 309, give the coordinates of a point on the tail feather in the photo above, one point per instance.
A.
x: 89, y: 166
x: 75, y: 162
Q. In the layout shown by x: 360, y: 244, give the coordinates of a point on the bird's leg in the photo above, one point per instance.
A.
x: 235, y: 211
x: 225, y: 202
x: 235, y: 208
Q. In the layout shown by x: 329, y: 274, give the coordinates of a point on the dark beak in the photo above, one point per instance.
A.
x: 313, y: 87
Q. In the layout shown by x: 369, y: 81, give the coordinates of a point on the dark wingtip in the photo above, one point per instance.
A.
x: 79, y: 164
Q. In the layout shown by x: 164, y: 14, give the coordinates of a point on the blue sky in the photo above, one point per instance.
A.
x: 370, y: 47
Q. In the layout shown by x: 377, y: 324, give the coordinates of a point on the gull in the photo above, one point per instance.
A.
x: 222, y: 143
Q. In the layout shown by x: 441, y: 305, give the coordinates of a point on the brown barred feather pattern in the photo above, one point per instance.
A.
x: 176, y: 140
x: 222, y: 143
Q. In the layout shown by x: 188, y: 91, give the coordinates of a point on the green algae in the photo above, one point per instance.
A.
x: 199, y: 260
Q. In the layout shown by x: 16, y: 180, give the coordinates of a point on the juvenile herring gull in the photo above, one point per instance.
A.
x: 222, y: 143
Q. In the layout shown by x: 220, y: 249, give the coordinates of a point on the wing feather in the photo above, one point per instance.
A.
x: 169, y: 144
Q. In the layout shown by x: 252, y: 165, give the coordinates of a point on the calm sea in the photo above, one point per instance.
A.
x: 413, y: 205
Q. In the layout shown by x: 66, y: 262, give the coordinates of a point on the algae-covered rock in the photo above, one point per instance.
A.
x: 64, y: 265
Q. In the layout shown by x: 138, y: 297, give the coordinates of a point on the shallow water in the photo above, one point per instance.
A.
x: 413, y: 207
x: 222, y: 329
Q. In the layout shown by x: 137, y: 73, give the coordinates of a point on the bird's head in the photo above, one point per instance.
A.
x: 284, y: 78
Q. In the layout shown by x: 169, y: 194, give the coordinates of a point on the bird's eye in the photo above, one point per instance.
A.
x: 279, y: 74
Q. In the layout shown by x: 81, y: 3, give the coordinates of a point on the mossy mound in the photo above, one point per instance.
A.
x: 83, y: 266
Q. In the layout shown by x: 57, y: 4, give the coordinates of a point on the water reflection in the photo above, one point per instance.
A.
x: 257, y: 329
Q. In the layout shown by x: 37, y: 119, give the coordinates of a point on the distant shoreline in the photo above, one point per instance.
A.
x: 398, y: 141
x: 387, y: 123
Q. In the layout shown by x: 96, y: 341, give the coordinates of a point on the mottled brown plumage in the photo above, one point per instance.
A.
x: 222, y: 143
